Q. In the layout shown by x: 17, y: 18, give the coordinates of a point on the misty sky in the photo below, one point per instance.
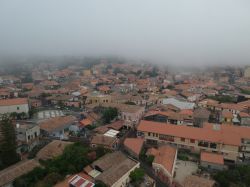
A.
x: 167, y: 31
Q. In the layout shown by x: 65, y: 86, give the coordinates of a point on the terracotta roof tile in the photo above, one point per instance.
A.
x: 206, y: 134
x: 56, y: 122
x: 134, y: 144
x: 165, y: 156
x: 16, y: 101
x: 212, y: 157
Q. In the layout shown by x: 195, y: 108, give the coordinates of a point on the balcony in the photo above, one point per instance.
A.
x: 213, y: 145
x: 203, y: 144
x: 166, y: 138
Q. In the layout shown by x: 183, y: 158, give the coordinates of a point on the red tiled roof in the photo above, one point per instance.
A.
x: 244, y: 115
x: 234, y: 131
x: 227, y: 114
x: 212, y: 158
x: 56, y: 122
x: 86, y: 122
x: 165, y: 156
x: 134, y: 144
x: 17, y: 101
x: 186, y: 112
x: 206, y: 134
x: 103, y: 88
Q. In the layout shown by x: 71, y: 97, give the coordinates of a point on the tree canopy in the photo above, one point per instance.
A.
x: 137, y: 175
x: 108, y: 114
x: 239, y: 176
x: 74, y: 158
x: 8, y: 154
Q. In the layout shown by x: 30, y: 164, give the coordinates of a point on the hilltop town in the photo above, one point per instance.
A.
x: 109, y: 122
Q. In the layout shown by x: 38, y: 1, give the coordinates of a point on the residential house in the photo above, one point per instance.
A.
x: 104, y: 89
x: 97, y: 98
x: 109, y: 142
x: 129, y: 113
x: 17, y: 105
x: 4, y: 93
x: 134, y: 146
x: 8, y: 175
x: 209, y: 104
x: 57, y: 126
x: 183, y: 117
x: 244, y: 119
x: 227, y: 117
x: 27, y: 135
x: 115, y: 169
x: 35, y: 103
x: 190, y: 96
x: 48, y: 85
x: 212, y: 161
x: 164, y: 162
x: 116, y: 125
x: 201, y: 115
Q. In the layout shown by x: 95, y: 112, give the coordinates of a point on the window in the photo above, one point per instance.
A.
x: 17, y: 108
x: 213, y: 145
x: 166, y: 138
x: 192, y: 141
x: 203, y: 144
x: 149, y: 134
x: 183, y: 139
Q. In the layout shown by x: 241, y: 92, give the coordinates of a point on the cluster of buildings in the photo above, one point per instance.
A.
x: 159, y: 113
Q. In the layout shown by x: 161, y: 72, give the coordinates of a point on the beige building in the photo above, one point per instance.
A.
x: 231, y: 141
x: 99, y: 99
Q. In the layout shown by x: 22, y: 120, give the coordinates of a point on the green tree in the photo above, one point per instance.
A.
x: 30, y: 178
x: 150, y: 159
x: 100, y: 184
x: 13, y: 115
x: 8, y: 154
x: 74, y: 158
x: 245, y: 92
x: 109, y: 114
x: 137, y: 175
x: 239, y: 176
x: 52, y: 178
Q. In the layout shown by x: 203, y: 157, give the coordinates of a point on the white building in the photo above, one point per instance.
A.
x: 27, y: 135
x: 18, y: 105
